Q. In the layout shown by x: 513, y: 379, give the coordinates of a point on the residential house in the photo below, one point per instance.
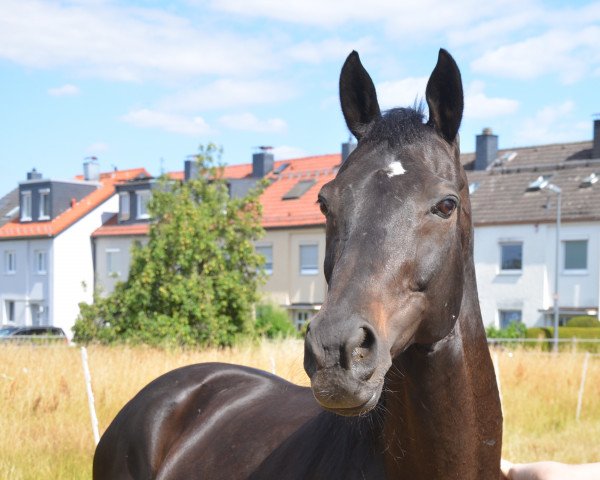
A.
x: 514, y: 222
x: 47, y: 263
x: 515, y: 229
x: 294, y: 244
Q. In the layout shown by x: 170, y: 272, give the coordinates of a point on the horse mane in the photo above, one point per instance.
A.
x: 398, y: 126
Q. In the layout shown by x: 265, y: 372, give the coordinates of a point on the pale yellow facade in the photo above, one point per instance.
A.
x: 301, y: 293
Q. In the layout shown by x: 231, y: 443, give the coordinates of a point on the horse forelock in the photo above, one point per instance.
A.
x: 398, y: 126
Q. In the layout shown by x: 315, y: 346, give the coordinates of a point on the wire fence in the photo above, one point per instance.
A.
x: 590, y: 345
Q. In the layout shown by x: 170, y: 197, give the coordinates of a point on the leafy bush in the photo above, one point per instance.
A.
x: 584, y: 321
x: 273, y: 322
x: 514, y: 330
x: 539, y: 333
x: 196, y: 280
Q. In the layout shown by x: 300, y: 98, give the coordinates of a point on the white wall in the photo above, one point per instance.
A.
x: 73, y: 275
x: 26, y: 286
x: 532, y: 289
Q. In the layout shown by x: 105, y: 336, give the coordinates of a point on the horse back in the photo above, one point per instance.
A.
x: 198, y: 421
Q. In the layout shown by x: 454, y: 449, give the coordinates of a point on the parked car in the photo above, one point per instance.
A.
x: 32, y: 334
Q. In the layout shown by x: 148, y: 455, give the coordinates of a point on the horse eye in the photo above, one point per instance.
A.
x: 323, y: 206
x: 445, y: 208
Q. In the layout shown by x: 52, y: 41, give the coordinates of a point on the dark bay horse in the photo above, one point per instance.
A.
x: 397, y: 356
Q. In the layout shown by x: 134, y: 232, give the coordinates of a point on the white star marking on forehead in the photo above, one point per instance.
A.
x: 395, y: 168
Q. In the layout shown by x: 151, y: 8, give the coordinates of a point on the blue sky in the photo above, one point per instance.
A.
x: 144, y: 82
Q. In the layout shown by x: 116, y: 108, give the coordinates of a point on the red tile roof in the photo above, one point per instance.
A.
x: 277, y: 213
x: 111, y: 228
x: 17, y: 229
x: 302, y: 211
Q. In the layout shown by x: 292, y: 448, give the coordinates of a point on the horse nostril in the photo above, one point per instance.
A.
x: 365, y: 345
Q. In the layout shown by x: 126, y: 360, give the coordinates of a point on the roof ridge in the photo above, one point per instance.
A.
x: 528, y: 147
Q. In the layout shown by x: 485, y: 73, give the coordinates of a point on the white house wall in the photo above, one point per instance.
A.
x: 26, y: 286
x: 531, y: 290
x: 73, y: 277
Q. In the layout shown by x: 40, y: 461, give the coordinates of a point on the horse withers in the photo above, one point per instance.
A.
x: 402, y: 384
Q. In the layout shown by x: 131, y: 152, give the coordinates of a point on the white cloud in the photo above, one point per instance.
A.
x: 226, y: 93
x: 328, y: 49
x: 479, y: 105
x: 122, y: 43
x: 145, y: 118
x: 552, y: 124
x: 250, y: 123
x: 569, y: 54
x: 401, y: 93
x: 284, y: 152
x: 64, y: 91
x: 400, y: 19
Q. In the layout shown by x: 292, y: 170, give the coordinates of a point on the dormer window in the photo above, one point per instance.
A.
x: 26, y: 206
x: 123, y: 206
x: 44, y: 204
x: 143, y: 197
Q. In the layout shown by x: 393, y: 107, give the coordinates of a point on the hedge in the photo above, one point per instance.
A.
x: 568, y: 333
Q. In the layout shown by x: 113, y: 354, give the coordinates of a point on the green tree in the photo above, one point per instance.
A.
x: 196, y: 280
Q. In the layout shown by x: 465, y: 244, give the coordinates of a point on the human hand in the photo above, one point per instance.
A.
x: 550, y: 471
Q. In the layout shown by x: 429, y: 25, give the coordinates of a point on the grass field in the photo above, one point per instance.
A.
x: 45, y: 429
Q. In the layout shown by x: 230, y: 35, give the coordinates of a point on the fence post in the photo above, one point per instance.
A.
x: 90, y: 394
x: 582, y: 385
x: 496, y: 362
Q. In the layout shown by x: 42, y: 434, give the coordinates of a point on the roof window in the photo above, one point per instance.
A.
x: 589, y: 180
x: 473, y: 186
x: 299, y: 189
x: 538, y: 183
x: 281, y: 168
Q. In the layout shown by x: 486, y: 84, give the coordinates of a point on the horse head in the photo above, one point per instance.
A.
x: 398, y: 236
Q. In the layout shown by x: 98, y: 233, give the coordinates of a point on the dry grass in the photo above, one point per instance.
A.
x: 540, y: 392
x: 46, y: 431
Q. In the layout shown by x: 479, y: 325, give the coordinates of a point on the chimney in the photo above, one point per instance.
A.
x: 347, y: 148
x: 486, y: 149
x: 190, y: 169
x: 34, y: 175
x: 596, y: 146
x: 91, y: 169
x: 262, y: 162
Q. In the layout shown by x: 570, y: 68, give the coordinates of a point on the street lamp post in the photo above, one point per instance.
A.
x: 558, y: 191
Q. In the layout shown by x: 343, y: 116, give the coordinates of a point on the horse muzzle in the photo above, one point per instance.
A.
x: 346, y: 366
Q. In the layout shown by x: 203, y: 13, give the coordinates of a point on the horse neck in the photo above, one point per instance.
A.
x: 442, y: 405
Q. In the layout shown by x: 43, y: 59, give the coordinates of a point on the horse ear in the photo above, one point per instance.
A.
x: 444, y: 96
x: 357, y: 96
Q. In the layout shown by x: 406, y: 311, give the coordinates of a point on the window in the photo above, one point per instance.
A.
x: 511, y: 256
x: 575, y: 255
x: 25, y: 206
x: 309, y: 259
x: 299, y: 189
x: 41, y: 262
x: 143, y: 198
x: 112, y: 262
x: 10, y: 262
x: 509, y: 316
x: 10, y: 310
x: 267, y: 252
x: 123, y: 206
x: 301, y: 318
x: 44, y: 204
